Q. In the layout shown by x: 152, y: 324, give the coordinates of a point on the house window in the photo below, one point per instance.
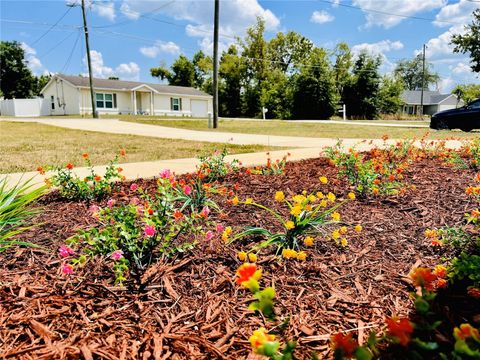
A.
x: 176, y: 104
x: 106, y: 101
x: 52, y: 101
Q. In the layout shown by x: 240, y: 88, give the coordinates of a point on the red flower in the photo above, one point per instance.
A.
x: 423, y: 277
x: 177, y: 215
x: 85, y: 155
x: 123, y: 152
x: 248, y: 271
x: 98, y: 178
x: 465, y: 331
x: 474, y: 292
x: 376, y: 182
x: 400, y: 328
x: 69, y: 166
x: 41, y: 170
x: 345, y: 343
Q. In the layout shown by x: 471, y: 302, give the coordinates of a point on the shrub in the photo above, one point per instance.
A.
x: 214, y: 167
x: 276, y: 167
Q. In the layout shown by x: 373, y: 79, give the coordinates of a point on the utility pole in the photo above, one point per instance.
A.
x: 423, y: 80
x: 215, y: 65
x: 89, y: 62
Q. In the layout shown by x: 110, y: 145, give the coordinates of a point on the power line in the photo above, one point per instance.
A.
x: 389, y: 13
x: 55, y: 24
x: 67, y: 63
x: 55, y: 46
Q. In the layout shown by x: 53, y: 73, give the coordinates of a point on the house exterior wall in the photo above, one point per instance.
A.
x: 124, y: 102
x: 162, y: 105
x: 65, y: 97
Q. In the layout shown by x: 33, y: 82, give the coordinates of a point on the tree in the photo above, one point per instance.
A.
x: 343, y: 65
x: 203, y: 67
x: 389, y: 95
x: 17, y: 81
x: 277, y: 95
x: 470, y: 42
x: 40, y: 82
x: 287, y: 51
x: 410, y: 71
x: 467, y: 93
x: 315, y: 95
x: 182, y: 74
x: 231, y: 73
x: 361, y: 93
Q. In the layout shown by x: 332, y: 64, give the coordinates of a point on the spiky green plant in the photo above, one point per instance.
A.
x: 15, y: 210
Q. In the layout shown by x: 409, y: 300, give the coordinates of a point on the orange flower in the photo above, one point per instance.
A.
x: 377, y: 181
x: 246, y: 272
x: 423, y: 277
x: 41, y: 170
x: 123, y: 152
x: 440, y: 271
x: 85, y: 155
x: 98, y: 178
x: 69, y: 166
x: 474, y: 292
x: 441, y: 283
x: 436, y: 242
x: 466, y: 331
x: 344, y: 343
x: 391, y: 177
x: 119, y: 169
x: 177, y: 215
x: 400, y: 328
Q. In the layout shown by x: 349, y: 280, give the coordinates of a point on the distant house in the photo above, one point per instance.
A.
x: 433, y: 102
x: 68, y: 95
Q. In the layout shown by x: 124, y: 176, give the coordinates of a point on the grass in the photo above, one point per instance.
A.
x: 25, y: 146
x: 321, y: 129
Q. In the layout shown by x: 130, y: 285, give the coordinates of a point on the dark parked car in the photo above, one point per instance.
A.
x: 465, y: 118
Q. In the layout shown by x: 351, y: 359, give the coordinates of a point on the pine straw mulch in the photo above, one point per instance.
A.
x: 191, y: 308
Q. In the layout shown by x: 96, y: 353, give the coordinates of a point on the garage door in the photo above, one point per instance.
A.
x: 199, y: 108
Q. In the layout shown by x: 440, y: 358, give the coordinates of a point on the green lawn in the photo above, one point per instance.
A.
x: 25, y: 146
x: 320, y: 129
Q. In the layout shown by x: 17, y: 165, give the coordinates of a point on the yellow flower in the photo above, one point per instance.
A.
x: 296, y: 210
x: 323, y: 203
x: 308, y: 241
x: 290, y: 224
x: 351, y: 196
x: 301, y: 255
x: 259, y: 338
x: 344, y: 242
x: 320, y: 195
x: 242, y: 255
x: 335, y: 216
x: 336, y: 234
x: 279, y: 196
x: 299, y: 199
x: 343, y: 230
x: 331, y: 197
x: 308, y: 207
x: 225, y: 237
x: 252, y: 258
x: 358, y: 228
x: 323, y: 180
x: 289, y: 253
x: 235, y: 201
x: 248, y: 201
x: 226, y: 233
x: 312, y: 198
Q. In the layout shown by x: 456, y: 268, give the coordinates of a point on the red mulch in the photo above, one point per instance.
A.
x: 191, y: 307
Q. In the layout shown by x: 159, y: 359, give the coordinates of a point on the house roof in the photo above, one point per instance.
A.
x: 413, y: 97
x: 81, y: 81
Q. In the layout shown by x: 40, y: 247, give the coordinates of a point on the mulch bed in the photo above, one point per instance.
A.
x: 191, y: 307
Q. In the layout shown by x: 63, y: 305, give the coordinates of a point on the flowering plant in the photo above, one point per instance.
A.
x: 92, y: 187
x: 214, y: 167
x: 276, y: 167
x: 194, y: 194
x: 468, y: 156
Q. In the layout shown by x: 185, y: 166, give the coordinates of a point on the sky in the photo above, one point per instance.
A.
x: 128, y: 37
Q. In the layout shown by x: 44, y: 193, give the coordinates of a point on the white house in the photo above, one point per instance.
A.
x: 69, y: 95
x: 433, y: 102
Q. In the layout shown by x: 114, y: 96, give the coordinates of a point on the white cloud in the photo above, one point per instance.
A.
x: 160, y: 47
x: 236, y: 16
x: 335, y: 3
x: 33, y: 62
x: 460, y: 12
x: 378, y: 48
x: 129, y: 71
x: 399, y: 7
x: 321, y: 17
x: 462, y: 68
x: 104, y: 9
x: 446, y: 85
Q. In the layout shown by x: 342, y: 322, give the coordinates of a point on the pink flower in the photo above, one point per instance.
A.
x: 67, y: 269
x: 150, y: 230
x: 65, y: 251
x: 220, y: 227
x: 117, y: 255
x: 134, y: 201
x: 187, y: 190
x: 209, y: 235
x: 165, y: 174
x: 94, y: 208
x: 140, y: 210
x: 110, y: 203
x: 133, y: 187
x: 205, y: 211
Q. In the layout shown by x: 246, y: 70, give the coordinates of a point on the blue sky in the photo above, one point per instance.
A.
x: 128, y: 37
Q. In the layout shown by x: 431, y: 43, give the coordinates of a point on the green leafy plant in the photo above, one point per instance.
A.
x: 92, y: 187
x: 468, y: 156
x: 194, y: 195
x: 214, y: 167
x: 273, y: 167
x: 16, y: 209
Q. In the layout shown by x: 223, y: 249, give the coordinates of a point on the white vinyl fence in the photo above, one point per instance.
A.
x: 25, y: 107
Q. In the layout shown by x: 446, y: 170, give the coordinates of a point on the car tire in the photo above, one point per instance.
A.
x: 442, y: 125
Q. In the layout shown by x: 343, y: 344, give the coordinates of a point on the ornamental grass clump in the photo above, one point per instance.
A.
x: 90, y: 188
x: 310, y: 216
